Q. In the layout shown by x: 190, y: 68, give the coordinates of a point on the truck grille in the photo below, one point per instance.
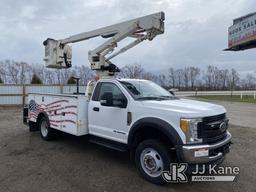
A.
x: 212, y: 128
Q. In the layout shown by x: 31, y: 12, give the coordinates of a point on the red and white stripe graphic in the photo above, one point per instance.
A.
x: 53, y: 109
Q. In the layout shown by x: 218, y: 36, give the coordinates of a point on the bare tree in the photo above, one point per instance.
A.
x: 132, y: 71
x: 49, y: 76
x: 58, y: 76
x: 84, y: 73
x: 249, y: 82
x: 149, y: 76
x: 194, y: 72
x: 223, y: 78
x: 210, y: 76
x: 15, y: 72
x: 233, y: 80
x: 186, y: 76
x: 172, y: 76
x: 161, y: 80
x: 23, y: 72
x: 179, y: 79
x: 216, y: 77
x: 38, y: 70
x: 3, y: 72
x: 65, y: 75
x: 12, y: 70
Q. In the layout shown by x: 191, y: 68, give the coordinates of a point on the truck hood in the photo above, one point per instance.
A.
x: 186, y: 107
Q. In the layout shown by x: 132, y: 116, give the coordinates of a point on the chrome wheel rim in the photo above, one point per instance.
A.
x: 44, y: 129
x: 151, y: 162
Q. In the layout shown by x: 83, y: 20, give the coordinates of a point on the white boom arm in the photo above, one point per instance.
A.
x: 58, y: 53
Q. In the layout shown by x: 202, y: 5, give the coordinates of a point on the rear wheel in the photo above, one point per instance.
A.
x: 152, y: 158
x: 46, y: 132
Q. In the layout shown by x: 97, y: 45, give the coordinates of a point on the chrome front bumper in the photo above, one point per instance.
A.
x: 188, y: 151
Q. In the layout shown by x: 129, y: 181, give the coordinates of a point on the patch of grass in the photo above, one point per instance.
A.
x: 234, y: 98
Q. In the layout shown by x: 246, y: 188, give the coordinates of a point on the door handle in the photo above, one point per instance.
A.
x: 96, y: 109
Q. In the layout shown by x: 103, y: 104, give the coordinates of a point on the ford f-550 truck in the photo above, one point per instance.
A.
x: 132, y: 115
x: 138, y: 116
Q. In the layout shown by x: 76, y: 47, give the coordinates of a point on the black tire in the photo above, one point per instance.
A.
x: 165, y: 158
x: 47, y: 134
x: 32, y: 126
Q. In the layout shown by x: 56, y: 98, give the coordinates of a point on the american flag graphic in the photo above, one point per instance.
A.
x: 34, y: 109
x: 33, y: 106
x: 53, y: 110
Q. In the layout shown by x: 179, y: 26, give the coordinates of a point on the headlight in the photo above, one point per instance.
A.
x: 189, y: 128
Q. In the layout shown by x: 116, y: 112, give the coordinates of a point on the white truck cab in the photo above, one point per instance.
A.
x: 138, y: 116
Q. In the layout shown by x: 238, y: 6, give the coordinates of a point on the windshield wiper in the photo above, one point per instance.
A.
x: 168, y: 97
x: 151, y: 98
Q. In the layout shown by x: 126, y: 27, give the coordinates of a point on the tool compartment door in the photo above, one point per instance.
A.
x: 68, y: 114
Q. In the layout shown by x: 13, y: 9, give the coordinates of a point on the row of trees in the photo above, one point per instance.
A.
x: 22, y: 73
x: 191, y: 78
x: 187, y: 78
x: 212, y: 78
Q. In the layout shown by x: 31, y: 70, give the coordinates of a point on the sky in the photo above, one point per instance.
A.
x: 196, y: 31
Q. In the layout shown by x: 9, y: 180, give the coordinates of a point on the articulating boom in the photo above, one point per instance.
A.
x: 58, y: 53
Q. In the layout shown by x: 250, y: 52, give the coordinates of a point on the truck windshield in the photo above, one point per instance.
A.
x: 146, y: 90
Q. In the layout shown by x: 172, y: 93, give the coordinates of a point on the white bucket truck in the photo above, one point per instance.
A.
x: 132, y: 115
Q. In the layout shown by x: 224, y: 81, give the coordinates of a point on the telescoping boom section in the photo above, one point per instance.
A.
x: 58, y: 54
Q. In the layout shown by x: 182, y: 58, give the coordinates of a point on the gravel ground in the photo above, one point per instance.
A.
x: 240, y: 114
x: 69, y: 163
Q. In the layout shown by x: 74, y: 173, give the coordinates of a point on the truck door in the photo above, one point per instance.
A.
x: 107, y: 121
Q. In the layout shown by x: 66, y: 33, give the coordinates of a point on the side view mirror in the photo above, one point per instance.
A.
x: 173, y: 91
x: 107, y: 99
x: 122, y: 103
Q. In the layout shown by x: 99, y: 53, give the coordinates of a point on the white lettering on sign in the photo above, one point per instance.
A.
x: 242, y: 31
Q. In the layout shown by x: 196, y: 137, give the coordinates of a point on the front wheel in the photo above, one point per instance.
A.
x: 46, y: 132
x: 152, y: 158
